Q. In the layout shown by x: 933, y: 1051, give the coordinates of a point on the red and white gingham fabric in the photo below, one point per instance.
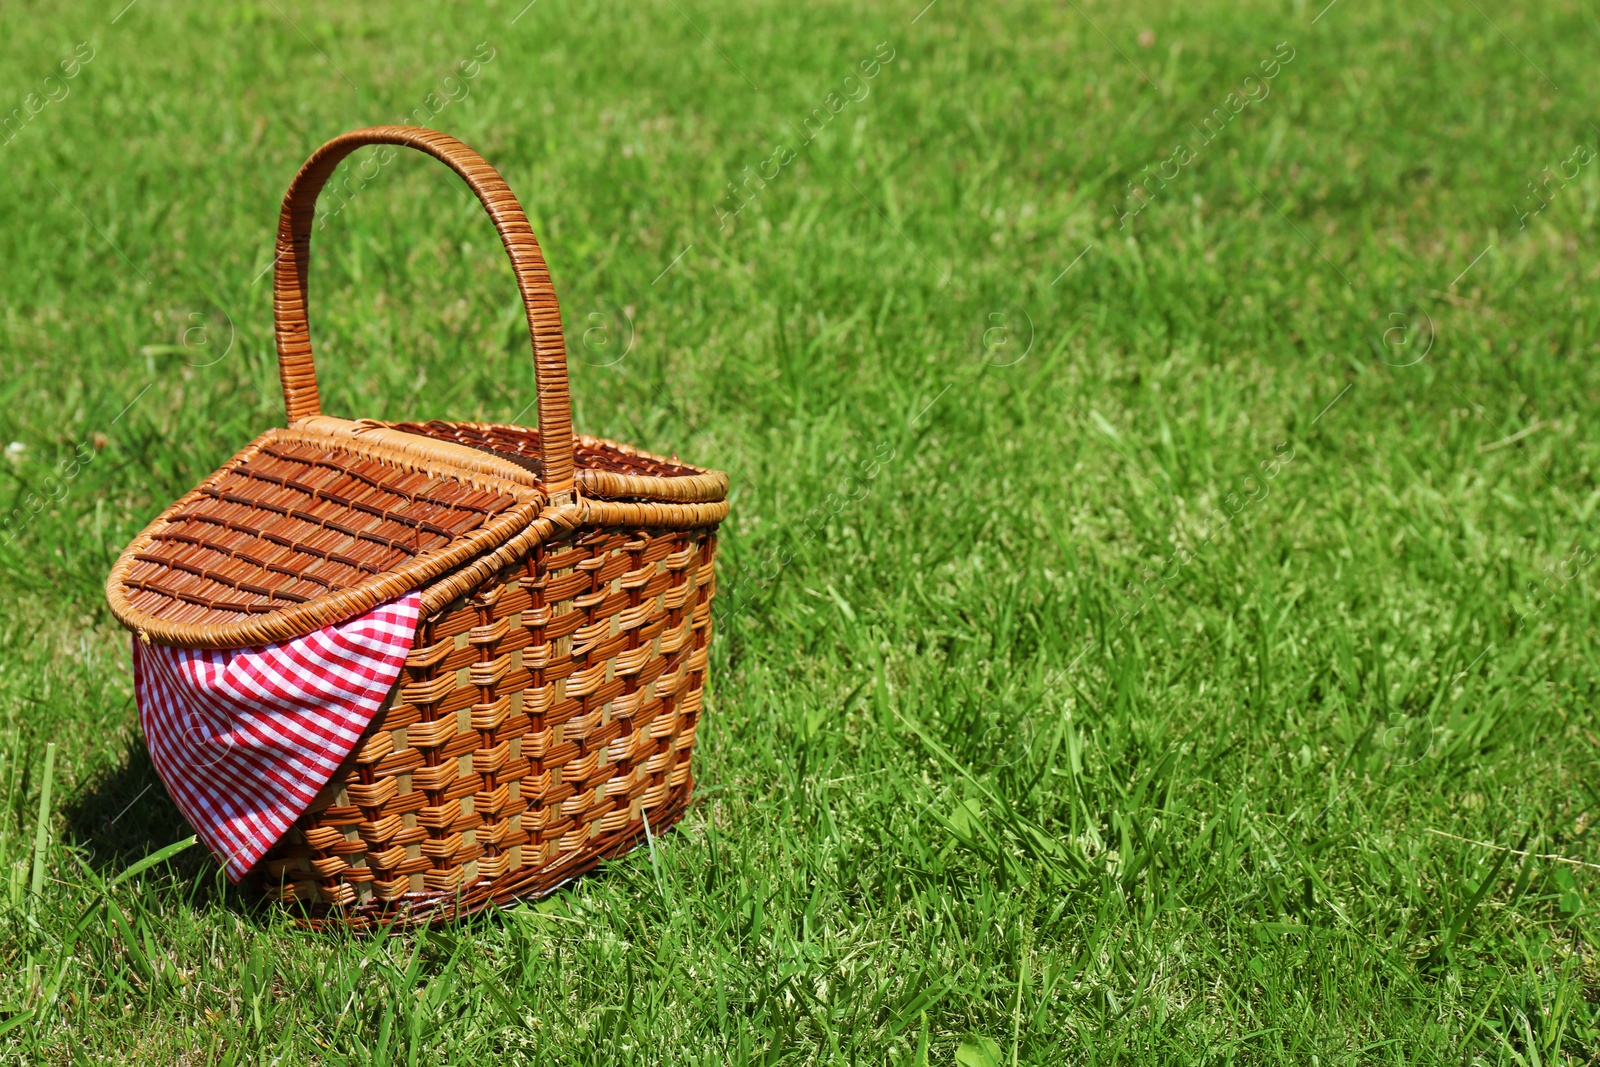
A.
x: 245, y: 739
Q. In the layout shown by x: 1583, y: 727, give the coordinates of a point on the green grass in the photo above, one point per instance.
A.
x: 1016, y: 744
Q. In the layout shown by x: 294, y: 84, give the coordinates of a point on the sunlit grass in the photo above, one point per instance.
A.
x: 1166, y: 640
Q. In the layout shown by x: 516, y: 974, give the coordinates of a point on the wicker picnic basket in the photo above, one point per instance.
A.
x: 547, y: 709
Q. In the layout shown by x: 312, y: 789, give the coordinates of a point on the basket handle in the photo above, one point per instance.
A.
x: 290, y: 297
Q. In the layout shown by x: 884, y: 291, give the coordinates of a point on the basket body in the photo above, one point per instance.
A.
x: 540, y: 721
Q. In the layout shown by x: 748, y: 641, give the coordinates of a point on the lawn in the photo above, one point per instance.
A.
x: 1154, y: 623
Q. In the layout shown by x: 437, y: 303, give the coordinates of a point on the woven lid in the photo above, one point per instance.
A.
x: 302, y: 529
x: 602, y: 468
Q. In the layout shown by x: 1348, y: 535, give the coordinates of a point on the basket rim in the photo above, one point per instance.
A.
x: 337, y: 606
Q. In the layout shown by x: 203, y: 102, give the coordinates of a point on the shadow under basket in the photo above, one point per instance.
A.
x: 546, y: 713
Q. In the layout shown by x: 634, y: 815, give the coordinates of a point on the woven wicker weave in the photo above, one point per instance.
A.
x: 549, y: 705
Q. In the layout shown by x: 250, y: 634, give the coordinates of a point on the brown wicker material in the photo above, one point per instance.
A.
x: 605, y: 468
x: 549, y: 705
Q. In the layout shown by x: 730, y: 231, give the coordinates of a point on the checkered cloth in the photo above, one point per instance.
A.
x: 245, y: 739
